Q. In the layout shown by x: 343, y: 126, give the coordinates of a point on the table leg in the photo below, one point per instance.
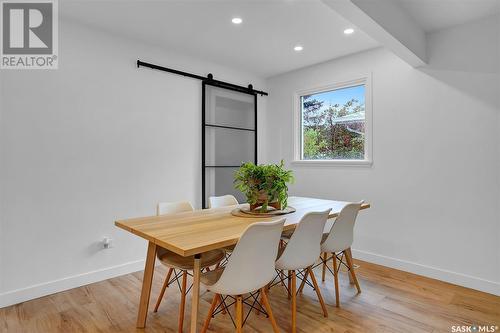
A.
x: 195, y: 296
x: 147, y: 281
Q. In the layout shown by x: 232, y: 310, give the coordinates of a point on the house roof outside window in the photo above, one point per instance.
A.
x: 350, y: 118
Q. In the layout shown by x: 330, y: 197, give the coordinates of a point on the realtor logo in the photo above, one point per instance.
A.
x: 29, y: 34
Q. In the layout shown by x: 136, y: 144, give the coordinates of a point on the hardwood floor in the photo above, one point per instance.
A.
x: 391, y: 301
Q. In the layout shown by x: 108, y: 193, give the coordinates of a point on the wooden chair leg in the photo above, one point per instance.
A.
x: 289, y: 278
x: 183, y: 301
x: 323, y: 274
x: 265, y: 300
x: 351, y: 281
x: 351, y: 269
x: 239, y: 314
x: 215, y: 301
x: 302, y: 284
x: 169, y: 275
x: 163, y: 288
x: 336, y: 280
x: 294, y: 301
x: 318, y: 292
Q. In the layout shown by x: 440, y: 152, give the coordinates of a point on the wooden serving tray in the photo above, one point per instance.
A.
x: 246, y: 212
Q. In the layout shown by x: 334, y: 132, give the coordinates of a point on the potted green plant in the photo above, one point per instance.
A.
x: 264, y: 185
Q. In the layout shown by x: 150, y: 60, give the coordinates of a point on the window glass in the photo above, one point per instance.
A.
x: 333, y: 124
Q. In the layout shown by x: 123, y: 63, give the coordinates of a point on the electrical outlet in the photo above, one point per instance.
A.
x: 107, y: 243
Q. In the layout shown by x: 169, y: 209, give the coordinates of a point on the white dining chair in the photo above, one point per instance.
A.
x: 173, y: 207
x: 300, y: 253
x: 250, y: 268
x: 222, y: 201
x: 337, y: 242
x: 176, y: 262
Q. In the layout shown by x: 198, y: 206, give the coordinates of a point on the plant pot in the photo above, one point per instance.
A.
x: 263, y: 185
x: 275, y: 205
x: 263, y: 197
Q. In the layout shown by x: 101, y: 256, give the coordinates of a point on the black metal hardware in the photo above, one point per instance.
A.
x: 209, y: 78
x: 170, y: 70
x: 231, y: 127
x: 252, y: 301
x: 255, y: 139
x: 203, y: 176
x: 340, y: 258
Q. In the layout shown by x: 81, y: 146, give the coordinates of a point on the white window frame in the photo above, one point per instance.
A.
x: 365, y: 80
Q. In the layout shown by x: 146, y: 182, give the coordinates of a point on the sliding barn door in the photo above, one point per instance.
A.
x: 229, y: 138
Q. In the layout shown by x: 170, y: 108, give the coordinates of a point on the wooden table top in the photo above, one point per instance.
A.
x: 203, y: 230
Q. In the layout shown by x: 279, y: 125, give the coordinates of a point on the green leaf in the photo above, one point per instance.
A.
x: 270, y: 179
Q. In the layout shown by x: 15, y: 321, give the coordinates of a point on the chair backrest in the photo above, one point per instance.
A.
x: 342, y: 232
x: 303, y: 248
x: 222, y: 201
x: 251, y: 265
x: 173, y: 207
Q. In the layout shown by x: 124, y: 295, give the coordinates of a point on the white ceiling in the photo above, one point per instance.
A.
x: 262, y: 44
x: 434, y: 15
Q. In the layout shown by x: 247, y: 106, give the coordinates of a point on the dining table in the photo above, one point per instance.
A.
x: 195, y: 232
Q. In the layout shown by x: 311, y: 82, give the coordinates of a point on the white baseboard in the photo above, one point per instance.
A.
x: 51, y: 287
x: 432, y: 272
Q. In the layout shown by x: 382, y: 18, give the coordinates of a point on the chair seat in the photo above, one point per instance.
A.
x: 287, y: 234
x: 324, y: 237
x: 171, y: 259
x: 210, y: 278
x: 229, y: 248
x: 336, y: 249
x: 281, y: 249
x: 285, y: 266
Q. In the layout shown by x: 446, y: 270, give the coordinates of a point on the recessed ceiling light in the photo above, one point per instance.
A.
x: 348, y: 31
x: 298, y: 48
x: 237, y: 20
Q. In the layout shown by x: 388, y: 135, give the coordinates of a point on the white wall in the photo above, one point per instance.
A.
x: 89, y: 143
x: 1, y: 185
x: 434, y: 183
